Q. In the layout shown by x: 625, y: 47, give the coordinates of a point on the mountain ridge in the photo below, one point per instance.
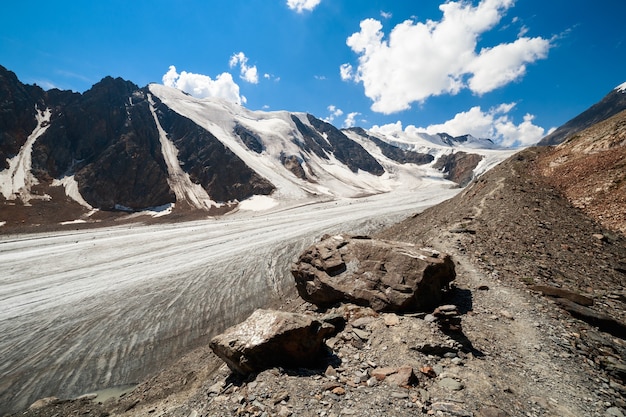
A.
x: 611, y: 104
x: 108, y: 148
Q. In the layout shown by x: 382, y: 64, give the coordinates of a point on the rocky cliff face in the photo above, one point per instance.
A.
x: 459, y: 166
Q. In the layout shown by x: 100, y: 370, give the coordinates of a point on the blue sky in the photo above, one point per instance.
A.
x: 506, y: 69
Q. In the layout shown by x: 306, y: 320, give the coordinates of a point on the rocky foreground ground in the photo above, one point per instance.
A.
x: 539, y: 294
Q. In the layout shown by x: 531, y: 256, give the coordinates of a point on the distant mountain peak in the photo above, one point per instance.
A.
x: 621, y: 88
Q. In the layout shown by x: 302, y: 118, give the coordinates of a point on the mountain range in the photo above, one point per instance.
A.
x: 119, y: 148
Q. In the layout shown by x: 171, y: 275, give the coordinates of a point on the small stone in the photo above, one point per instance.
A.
x: 404, y: 377
x: 428, y: 371
x: 451, y: 384
x: 490, y: 411
x: 429, y: 318
x: 457, y: 361
x: 362, y: 322
x: 399, y: 395
x: 450, y: 409
x: 372, y: 382
x: 216, y: 388
x: 43, y: 402
x: 483, y: 288
x: 506, y: 315
x: 330, y: 371
x: 280, y: 397
x: 361, y: 334
x: 330, y: 385
x: 339, y: 391
x: 614, y: 412
x: 382, y: 373
x: 391, y: 319
x: 447, y: 308
x: 283, y: 411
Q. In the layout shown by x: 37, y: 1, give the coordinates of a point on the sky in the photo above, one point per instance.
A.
x: 510, y: 70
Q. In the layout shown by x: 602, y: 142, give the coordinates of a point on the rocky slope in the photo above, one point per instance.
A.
x: 589, y: 168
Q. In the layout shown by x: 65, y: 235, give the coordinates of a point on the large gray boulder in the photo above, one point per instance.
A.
x: 271, y: 338
x: 385, y: 275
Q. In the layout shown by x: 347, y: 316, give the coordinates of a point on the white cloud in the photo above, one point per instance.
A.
x: 350, y: 120
x: 247, y: 73
x: 495, y: 124
x: 385, y: 15
x: 302, y: 5
x: 334, y: 113
x: 423, y: 59
x: 345, y: 70
x: 498, y: 66
x: 202, y: 86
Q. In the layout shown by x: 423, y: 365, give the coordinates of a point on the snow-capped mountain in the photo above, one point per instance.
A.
x: 121, y: 147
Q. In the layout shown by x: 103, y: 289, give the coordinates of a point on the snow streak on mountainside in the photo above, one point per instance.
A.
x: 179, y: 180
x: 16, y: 181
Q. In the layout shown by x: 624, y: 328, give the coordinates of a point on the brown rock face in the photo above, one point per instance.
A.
x: 271, y: 338
x: 459, y: 167
x: 385, y: 275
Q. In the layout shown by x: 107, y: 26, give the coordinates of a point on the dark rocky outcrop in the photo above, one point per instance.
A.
x: 459, y: 166
x: 395, y: 153
x: 252, y: 141
x: 17, y: 113
x: 385, y: 275
x: 208, y: 161
x: 272, y: 338
x: 294, y: 165
x: 345, y: 150
x: 108, y: 139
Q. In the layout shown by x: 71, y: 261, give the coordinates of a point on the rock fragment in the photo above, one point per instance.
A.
x: 271, y: 338
x: 385, y: 275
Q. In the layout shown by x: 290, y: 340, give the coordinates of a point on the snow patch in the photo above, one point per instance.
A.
x: 258, y: 203
x: 621, y: 88
x: 71, y: 190
x: 179, y: 180
x: 154, y: 212
x: 78, y: 221
x: 2, y: 223
x: 17, y: 180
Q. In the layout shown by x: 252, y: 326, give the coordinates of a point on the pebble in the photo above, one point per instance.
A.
x: 451, y: 384
x: 614, y: 412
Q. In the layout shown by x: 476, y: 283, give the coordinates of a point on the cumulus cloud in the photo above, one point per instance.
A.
x: 496, y: 124
x: 423, y: 59
x: 334, y: 113
x: 346, y: 72
x: 302, y: 5
x: 350, y: 120
x: 247, y: 73
x: 203, y: 86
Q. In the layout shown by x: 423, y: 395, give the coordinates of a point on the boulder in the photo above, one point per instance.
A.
x: 272, y: 338
x: 384, y: 275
